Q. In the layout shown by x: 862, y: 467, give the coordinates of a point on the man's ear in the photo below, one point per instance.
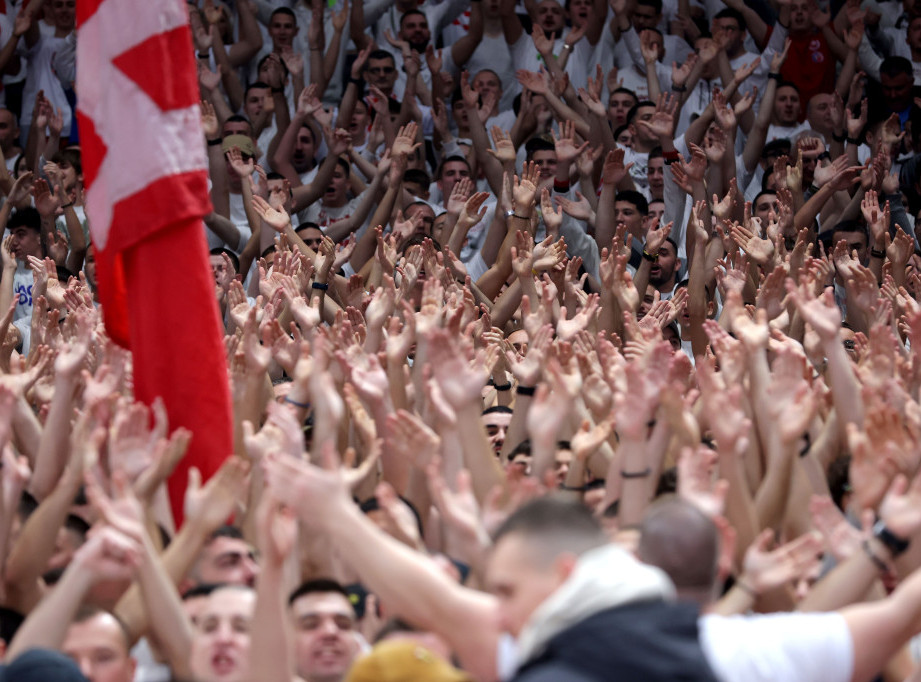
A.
x: 564, y: 565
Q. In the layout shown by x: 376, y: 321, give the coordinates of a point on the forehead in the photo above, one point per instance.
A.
x: 420, y: 208
x: 282, y: 19
x: 497, y: 419
x: 657, y: 162
x: 667, y: 249
x: 236, y: 128
x: 486, y: 77
x: 304, y: 133
x: 624, y: 205
x: 453, y: 167
x: 415, y: 19
x: 102, y: 630
x: 229, y: 603
x: 225, y: 545
x: 898, y: 80
x: 850, y: 237
x: 322, y: 604
x: 787, y: 90
x: 549, y: 6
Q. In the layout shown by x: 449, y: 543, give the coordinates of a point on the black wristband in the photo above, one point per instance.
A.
x: 892, y: 542
x: 277, y: 90
x: 838, y: 138
x: 679, y: 88
x: 852, y: 140
x: 650, y: 257
x: 875, y: 253
x: 520, y: 217
x: 320, y: 286
x: 812, y: 188
x: 525, y: 390
x: 807, y: 445
x: 67, y: 205
x: 774, y: 76
x: 636, y: 474
x: 215, y: 142
x: 503, y: 387
x: 207, y: 55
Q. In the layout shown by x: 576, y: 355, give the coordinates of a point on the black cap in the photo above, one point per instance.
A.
x: 41, y: 665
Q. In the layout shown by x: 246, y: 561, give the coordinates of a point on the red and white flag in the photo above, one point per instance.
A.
x: 145, y: 172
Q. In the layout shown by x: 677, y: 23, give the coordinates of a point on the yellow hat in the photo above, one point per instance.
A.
x: 403, y: 661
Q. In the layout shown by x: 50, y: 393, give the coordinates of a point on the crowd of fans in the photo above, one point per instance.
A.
x: 565, y: 342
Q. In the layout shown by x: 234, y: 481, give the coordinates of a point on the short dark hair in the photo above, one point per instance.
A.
x: 409, y: 13
x: 762, y: 193
x: 625, y: 91
x: 315, y: 586
x: 895, y: 65
x: 71, y: 156
x: 230, y: 254
x: 381, y: 54
x: 25, y: 217
x: 500, y: 409
x: 636, y: 107
x: 729, y: 13
x: 655, y: 4
x: 418, y: 176
x: 284, y: 10
x: 538, y: 144
x: 554, y: 526
x: 457, y: 158
x: 852, y: 226
x: 255, y: 85
x: 634, y: 198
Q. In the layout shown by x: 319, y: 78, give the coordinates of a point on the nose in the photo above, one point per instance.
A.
x: 251, y: 570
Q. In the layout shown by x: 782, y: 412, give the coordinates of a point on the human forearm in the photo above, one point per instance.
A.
x: 271, y: 650
x: 54, y: 446
x: 485, y: 471
x: 169, y: 625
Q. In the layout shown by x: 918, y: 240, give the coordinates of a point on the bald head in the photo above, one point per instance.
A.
x: 678, y: 538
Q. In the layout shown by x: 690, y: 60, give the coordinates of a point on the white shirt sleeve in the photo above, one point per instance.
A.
x: 793, y: 647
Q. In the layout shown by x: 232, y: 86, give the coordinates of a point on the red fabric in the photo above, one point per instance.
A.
x: 177, y: 344
x: 810, y: 65
x: 154, y: 278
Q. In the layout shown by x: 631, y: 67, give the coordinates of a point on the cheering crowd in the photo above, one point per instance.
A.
x: 565, y: 343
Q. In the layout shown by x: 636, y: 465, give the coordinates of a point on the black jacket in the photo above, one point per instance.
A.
x: 644, y: 642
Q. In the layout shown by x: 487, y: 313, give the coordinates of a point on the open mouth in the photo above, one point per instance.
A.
x: 223, y: 664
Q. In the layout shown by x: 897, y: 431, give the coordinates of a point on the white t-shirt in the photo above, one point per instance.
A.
x: 40, y: 76
x: 793, y: 647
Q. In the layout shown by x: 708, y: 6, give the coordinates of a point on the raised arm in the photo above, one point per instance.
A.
x: 408, y: 582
